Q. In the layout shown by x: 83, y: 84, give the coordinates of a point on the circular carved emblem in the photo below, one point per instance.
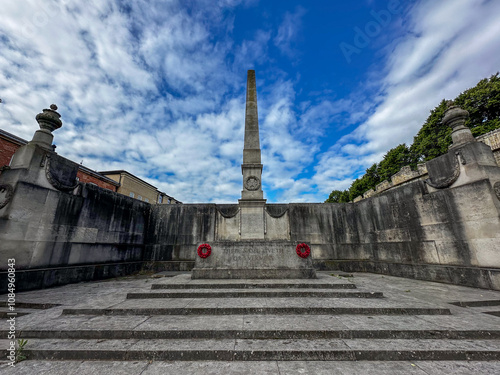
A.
x: 303, y: 250
x: 252, y: 183
x: 497, y: 189
x: 204, y: 250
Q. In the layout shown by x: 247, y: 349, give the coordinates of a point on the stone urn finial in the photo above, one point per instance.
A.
x: 455, y: 118
x: 49, y: 119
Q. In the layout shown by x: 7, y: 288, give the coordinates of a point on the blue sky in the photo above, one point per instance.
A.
x: 158, y: 87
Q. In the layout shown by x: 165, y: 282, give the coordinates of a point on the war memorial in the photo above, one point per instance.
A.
x: 406, y: 280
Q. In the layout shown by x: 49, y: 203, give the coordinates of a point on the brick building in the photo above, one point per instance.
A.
x: 9, y: 144
x: 136, y: 188
x: 119, y: 181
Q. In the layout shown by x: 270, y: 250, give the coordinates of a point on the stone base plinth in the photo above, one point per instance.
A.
x: 253, y: 260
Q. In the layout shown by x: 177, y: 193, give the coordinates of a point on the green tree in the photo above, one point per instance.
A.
x: 483, y: 104
x: 393, y: 161
x: 338, y: 196
x: 369, y: 180
x: 434, y: 138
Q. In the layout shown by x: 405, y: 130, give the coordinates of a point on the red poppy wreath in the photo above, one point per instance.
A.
x: 303, y: 250
x: 204, y: 250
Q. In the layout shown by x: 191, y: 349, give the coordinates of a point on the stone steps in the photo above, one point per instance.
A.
x: 255, y: 367
x: 255, y: 294
x: 261, y: 311
x: 183, y: 320
x: 254, y: 286
x: 261, y: 350
x: 252, y: 334
x: 222, y: 303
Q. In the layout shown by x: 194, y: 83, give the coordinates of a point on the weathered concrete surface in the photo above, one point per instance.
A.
x: 176, y: 230
x: 406, y: 231
x: 56, y: 237
x: 253, y: 260
x: 445, y: 229
x: 284, y: 343
x: 264, y: 368
x: 447, y: 235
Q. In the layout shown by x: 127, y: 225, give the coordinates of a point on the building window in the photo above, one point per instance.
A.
x: 139, y: 197
x: 146, y: 200
x: 132, y: 195
x: 160, y: 199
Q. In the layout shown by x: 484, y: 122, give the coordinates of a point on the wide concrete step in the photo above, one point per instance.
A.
x: 255, y: 350
x: 255, y: 294
x: 483, y: 303
x: 219, y: 325
x: 261, y: 311
x: 255, y: 286
x: 254, y: 367
x: 494, y: 313
x: 290, y: 334
x: 220, y: 303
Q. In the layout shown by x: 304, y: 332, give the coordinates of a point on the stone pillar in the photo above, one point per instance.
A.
x: 252, y: 200
x: 467, y: 160
x: 251, y: 167
x: 244, y: 252
x: 48, y: 121
x: 455, y: 118
x: 37, y: 163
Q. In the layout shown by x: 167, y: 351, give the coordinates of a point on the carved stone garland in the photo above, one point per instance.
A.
x: 54, y: 181
x: 450, y: 180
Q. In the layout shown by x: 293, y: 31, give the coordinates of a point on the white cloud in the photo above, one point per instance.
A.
x: 449, y: 46
x: 288, y: 31
x: 146, y: 87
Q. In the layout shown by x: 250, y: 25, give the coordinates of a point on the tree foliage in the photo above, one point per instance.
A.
x: 433, y: 139
x: 338, y: 196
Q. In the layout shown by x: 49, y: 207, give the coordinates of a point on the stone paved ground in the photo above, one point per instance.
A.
x: 365, y: 324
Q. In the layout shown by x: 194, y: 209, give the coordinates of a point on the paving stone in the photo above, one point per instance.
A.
x: 459, y: 368
x: 76, y: 368
x: 42, y: 368
x: 348, y: 368
x: 253, y: 285
x: 112, y: 368
x: 286, y: 336
x: 212, y: 368
x: 67, y: 344
x: 162, y: 323
x: 268, y: 293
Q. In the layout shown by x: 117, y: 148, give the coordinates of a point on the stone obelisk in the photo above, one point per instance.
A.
x: 251, y: 242
x: 252, y: 200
